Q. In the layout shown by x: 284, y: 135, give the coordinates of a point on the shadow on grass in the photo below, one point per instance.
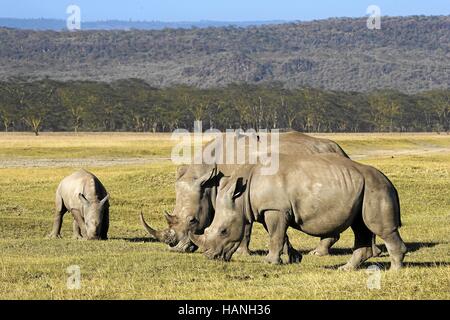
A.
x: 412, y: 247
x: 338, y: 251
x: 416, y: 246
x: 259, y: 252
x: 136, y: 239
x: 386, y: 265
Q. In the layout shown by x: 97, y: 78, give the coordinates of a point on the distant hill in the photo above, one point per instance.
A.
x: 60, y: 25
x: 409, y: 54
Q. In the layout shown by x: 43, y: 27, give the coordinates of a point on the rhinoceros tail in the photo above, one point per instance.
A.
x: 381, y: 205
x: 398, y: 203
x: 396, y: 198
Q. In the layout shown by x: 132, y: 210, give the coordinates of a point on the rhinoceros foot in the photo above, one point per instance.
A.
x: 294, y: 256
x: 273, y: 259
x: 54, y: 236
x: 395, y: 266
x: 376, y: 251
x: 244, y: 251
x: 319, y: 252
x: 347, y: 267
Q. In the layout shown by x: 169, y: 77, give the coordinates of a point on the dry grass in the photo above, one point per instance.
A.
x: 128, y: 266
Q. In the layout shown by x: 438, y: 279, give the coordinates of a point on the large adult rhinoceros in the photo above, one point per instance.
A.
x: 196, y: 190
x: 320, y: 194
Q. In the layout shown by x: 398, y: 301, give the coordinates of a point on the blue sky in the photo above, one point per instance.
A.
x: 224, y: 10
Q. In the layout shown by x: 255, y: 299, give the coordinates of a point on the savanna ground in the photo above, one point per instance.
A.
x: 136, y: 171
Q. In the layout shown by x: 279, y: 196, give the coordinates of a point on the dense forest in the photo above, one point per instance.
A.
x: 134, y: 105
x: 408, y: 54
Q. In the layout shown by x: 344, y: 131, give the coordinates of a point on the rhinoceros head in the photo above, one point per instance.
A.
x: 223, y: 237
x: 93, y: 214
x: 193, y: 208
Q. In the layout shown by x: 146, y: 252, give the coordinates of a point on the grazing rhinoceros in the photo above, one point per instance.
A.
x: 321, y: 195
x: 196, y: 189
x: 86, y: 198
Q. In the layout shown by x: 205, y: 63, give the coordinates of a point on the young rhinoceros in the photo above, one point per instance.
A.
x: 86, y: 198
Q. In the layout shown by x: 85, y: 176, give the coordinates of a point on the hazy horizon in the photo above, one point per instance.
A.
x: 228, y: 11
x: 218, y: 21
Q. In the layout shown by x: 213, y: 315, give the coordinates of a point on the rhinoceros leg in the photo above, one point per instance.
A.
x: 323, y: 249
x: 60, y: 210
x: 324, y: 246
x: 396, y: 248
x: 362, y: 249
x: 294, y: 255
x: 243, y: 247
x: 276, y: 224
x: 76, y: 230
x: 105, y: 225
x: 375, y: 250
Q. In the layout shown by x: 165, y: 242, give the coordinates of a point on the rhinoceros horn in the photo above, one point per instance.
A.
x: 158, y: 235
x: 198, y: 240
x: 170, y: 218
x: 103, y: 201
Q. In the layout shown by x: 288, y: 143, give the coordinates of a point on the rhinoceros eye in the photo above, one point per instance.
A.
x: 223, y: 232
x: 193, y: 221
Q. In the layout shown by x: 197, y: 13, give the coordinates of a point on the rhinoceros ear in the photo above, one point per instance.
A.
x: 224, y: 182
x: 237, y: 189
x: 181, y: 171
x: 209, y: 178
x: 83, y: 199
x: 170, y: 218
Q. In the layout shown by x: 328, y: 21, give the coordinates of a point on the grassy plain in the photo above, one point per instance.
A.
x: 130, y: 266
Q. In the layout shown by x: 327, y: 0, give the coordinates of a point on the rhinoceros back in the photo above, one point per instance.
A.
x: 307, y: 144
x: 82, y: 182
x: 323, y: 192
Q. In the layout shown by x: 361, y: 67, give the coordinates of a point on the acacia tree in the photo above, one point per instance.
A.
x: 34, y: 121
x: 6, y: 113
x: 15, y: 95
x: 314, y: 109
x: 269, y: 102
x: 441, y: 105
x: 256, y: 108
x: 197, y: 105
x: 290, y: 110
x: 6, y: 118
x: 75, y: 103
x: 394, y: 111
x: 36, y: 105
x: 31, y: 100
x: 385, y: 110
x: 246, y: 119
x: 155, y: 117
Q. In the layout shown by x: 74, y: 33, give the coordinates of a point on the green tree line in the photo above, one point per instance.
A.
x: 133, y: 105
